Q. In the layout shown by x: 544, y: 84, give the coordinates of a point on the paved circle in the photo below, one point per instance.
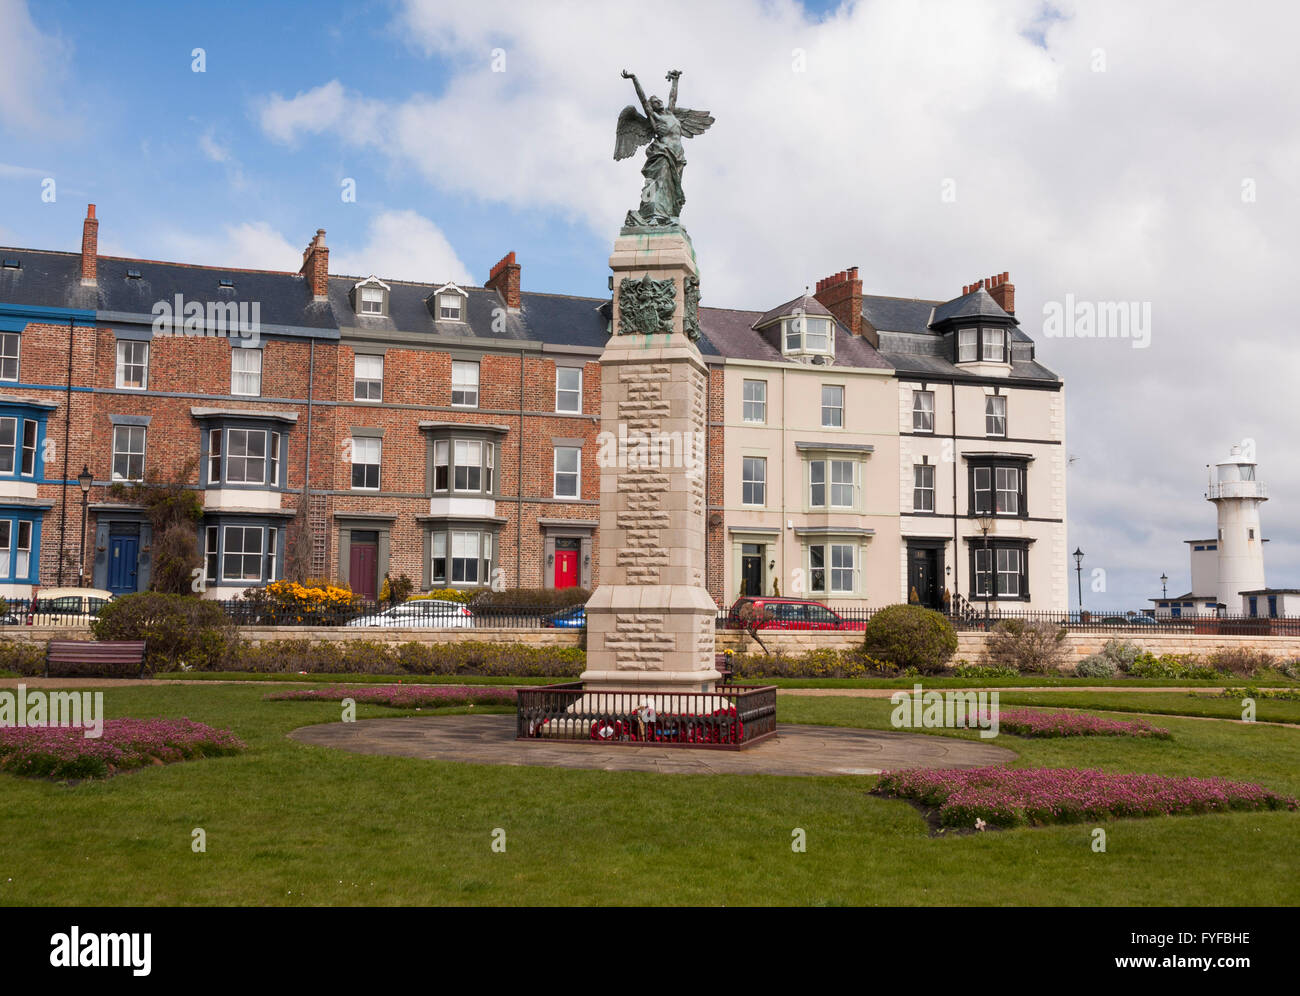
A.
x: 795, y: 750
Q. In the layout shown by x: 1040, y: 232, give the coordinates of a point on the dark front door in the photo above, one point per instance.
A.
x: 363, y: 564
x: 123, y: 563
x: 923, y: 577
x: 566, y: 563
x: 751, y: 569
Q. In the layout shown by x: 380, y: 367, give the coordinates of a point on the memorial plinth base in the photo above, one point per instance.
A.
x: 651, y: 638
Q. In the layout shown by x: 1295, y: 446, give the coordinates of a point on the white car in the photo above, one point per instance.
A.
x: 434, y: 613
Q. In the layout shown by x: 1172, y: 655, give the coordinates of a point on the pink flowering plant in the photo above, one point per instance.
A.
x: 65, y: 752
x: 1032, y: 723
x: 405, y: 696
x: 1009, y: 797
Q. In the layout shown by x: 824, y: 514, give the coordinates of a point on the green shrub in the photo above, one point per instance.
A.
x: 1242, y: 661
x: 824, y: 663
x: 446, y: 595
x: 964, y: 670
x: 183, y: 631
x: 910, y: 636
x: 1031, y: 647
x: 372, y: 657
x: 530, y: 599
x: 1185, y: 666
x: 1121, y: 653
x: 1289, y: 669
x: 1096, y: 666
x: 22, y: 658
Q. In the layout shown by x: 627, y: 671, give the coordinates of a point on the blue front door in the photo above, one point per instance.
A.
x: 123, y: 560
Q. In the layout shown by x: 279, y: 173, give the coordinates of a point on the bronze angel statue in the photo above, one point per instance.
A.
x: 662, y: 127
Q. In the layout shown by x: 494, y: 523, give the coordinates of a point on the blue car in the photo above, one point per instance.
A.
x: 574, y: 618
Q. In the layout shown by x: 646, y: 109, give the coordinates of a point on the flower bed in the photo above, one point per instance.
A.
x: 405, y: 696
x: 65, y: 752
x: 1008, y: 797
x: 1031, y: 723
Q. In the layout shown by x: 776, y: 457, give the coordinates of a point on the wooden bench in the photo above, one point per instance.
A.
x: 720, y: 663
x: 94, y: 659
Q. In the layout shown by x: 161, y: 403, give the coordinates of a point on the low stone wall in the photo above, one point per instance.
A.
x: 257, y: 635
x: 43, y: 634
x: 970, y: 645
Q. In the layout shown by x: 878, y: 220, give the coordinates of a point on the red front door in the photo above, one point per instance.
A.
x: 361, y: 570
x: 566, y: 568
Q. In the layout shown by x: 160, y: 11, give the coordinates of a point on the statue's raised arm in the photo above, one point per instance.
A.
x: 662, y: 128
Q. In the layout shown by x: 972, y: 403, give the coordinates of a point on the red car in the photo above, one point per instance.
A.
x: 787, y: 613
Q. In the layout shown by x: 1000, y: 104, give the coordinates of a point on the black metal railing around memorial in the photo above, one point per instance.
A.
x: 731, y: 717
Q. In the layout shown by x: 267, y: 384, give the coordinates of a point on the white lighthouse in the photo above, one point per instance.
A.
x: 1237, y: 495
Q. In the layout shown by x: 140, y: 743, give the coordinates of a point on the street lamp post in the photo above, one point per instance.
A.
x: 1078, y: 570
x: 1164, y: 586
x: 84, y: 479
x: 986, y: 524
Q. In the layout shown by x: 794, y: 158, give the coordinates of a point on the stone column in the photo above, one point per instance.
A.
x: 650, y: 624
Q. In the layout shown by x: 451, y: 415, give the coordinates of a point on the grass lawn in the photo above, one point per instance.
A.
x: 1023, y: 681
x: 289, y: 824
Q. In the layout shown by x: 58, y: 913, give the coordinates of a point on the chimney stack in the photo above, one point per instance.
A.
x: 90, y: 247
x: 316, y: 266
x: 841, y: 293
x: 1003, y: 291
x: 504, y: 279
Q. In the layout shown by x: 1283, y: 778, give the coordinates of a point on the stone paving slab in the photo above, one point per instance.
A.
x: 795, y: 750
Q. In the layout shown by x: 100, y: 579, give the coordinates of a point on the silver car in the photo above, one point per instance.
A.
x: 433, y: 613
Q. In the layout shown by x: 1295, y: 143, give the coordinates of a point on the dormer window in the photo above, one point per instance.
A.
x: 804, y: 334
x: 995, y: 345
x: 448, y: 304
x: 988, y: 345
x: 370, y: 297
x: 968, y: 345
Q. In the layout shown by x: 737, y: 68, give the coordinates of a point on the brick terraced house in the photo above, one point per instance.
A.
x: 351, y: 427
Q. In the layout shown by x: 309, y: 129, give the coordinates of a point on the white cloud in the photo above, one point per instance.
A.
x: 33, y: 67
x: 403, y: 245
x: 1116, y: 185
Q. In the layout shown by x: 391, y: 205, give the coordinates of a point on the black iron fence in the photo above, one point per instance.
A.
x: 969, y: 617
x: 729, y: 718
x: 785, y: 615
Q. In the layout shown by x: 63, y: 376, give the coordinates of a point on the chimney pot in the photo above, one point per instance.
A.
x: 504, y: 279
x: 90, y: 247
x: 316, y: 266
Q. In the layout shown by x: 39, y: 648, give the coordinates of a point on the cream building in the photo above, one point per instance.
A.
x: 811, y: 457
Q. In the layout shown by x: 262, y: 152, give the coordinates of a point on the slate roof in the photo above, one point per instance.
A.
x: 53, y: 280
x: 731, y: 333
x: 898, y: 314
x: 908, y: 343
x: 804, y: 303
x: 45, y: 280
x: 977, y: 304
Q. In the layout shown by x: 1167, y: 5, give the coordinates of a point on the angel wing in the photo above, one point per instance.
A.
x: 693, y: 122
x: 633, y: 131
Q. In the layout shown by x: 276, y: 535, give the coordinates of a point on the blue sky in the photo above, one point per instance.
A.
x: 1100, y: 150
